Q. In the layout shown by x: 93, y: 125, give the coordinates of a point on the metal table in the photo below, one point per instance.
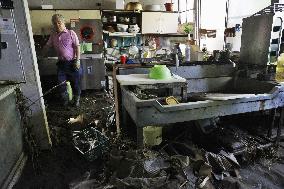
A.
x: 152, y: 112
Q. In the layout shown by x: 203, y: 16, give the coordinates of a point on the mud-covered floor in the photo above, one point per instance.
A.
x: 180, y: 155
x: 63, y: 164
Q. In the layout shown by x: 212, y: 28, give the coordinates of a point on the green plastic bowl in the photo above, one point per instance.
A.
x: 160, y: 72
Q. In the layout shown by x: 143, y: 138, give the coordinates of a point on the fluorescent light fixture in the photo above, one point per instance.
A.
x: 46, y: 6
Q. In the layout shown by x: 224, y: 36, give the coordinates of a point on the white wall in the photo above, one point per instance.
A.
x: 213, y: 17
x: 240, y: 9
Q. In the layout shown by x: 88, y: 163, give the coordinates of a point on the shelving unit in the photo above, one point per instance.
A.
x: 134, y: 18
x: 108, y: 20
x: 156, y: 25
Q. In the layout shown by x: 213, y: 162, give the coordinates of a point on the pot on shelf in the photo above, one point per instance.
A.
x: 135, y: 6
x: 169, y: 6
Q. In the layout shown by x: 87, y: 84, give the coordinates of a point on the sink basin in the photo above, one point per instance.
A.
x: 248, y: 86
x: 229, y: 88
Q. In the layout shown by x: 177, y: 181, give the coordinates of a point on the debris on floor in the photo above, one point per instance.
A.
x: 87, y: 153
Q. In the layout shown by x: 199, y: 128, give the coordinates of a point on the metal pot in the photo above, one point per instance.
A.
x: 134, y: 6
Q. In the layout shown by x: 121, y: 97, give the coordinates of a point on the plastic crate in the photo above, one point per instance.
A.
x: 90, y: 142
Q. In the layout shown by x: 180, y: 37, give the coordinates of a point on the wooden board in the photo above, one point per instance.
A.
x: 140, y: 79
x: 224, y: 96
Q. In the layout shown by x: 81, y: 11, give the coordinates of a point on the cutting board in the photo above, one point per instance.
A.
x: 224, y: 96
x: 140, y: 79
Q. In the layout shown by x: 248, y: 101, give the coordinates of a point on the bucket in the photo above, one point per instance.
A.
x: 152, y: 135
x: 169, y: 6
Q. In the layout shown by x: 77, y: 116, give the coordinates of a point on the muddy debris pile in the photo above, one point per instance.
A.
x: 179, y: 162
x: 126, y: 167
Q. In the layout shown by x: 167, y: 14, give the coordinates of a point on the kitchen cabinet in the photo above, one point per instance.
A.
x: 159, y: 22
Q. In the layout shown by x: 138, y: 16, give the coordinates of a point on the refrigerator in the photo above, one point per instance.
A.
x: 11, y: 74
x: 90, y: 34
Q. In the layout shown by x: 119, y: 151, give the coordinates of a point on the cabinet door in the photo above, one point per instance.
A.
x: 151, y: 22
x: 169, y: 23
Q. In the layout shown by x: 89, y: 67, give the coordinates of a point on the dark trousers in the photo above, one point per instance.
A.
x: 66, y: 72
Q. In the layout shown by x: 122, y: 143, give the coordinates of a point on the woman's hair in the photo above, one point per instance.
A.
x: 59, y: 17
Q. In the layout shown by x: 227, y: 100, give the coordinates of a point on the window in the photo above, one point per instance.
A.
x: 186, y: 10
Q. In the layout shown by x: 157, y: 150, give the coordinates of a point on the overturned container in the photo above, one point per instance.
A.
x: 91, y: 143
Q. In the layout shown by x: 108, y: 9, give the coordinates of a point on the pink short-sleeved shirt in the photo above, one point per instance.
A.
x: 64, y: 44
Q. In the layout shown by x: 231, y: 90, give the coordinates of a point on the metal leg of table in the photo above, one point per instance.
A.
x: 124, y: 119
x: 281, y: 121
x: 107, y: 83
x: 184, y: 93
x: 140, y: 138
x: 272, y: 123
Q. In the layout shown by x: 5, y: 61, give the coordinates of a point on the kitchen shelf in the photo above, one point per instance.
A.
x: 160, y: 11
x: 137, y: 12
x: 121, y: 34
x: 122, y: 11
x: 115, y: 23
x: 167, y: 34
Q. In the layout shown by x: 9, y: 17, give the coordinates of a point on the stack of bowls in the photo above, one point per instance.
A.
x: 122, y: 27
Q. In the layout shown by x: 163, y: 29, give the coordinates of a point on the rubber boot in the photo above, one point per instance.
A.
x: 76, y: 101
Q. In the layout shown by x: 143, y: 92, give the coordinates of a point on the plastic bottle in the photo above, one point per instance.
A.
x: 280, y: 68
x: 187, y: 53
x: 69, y: 90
